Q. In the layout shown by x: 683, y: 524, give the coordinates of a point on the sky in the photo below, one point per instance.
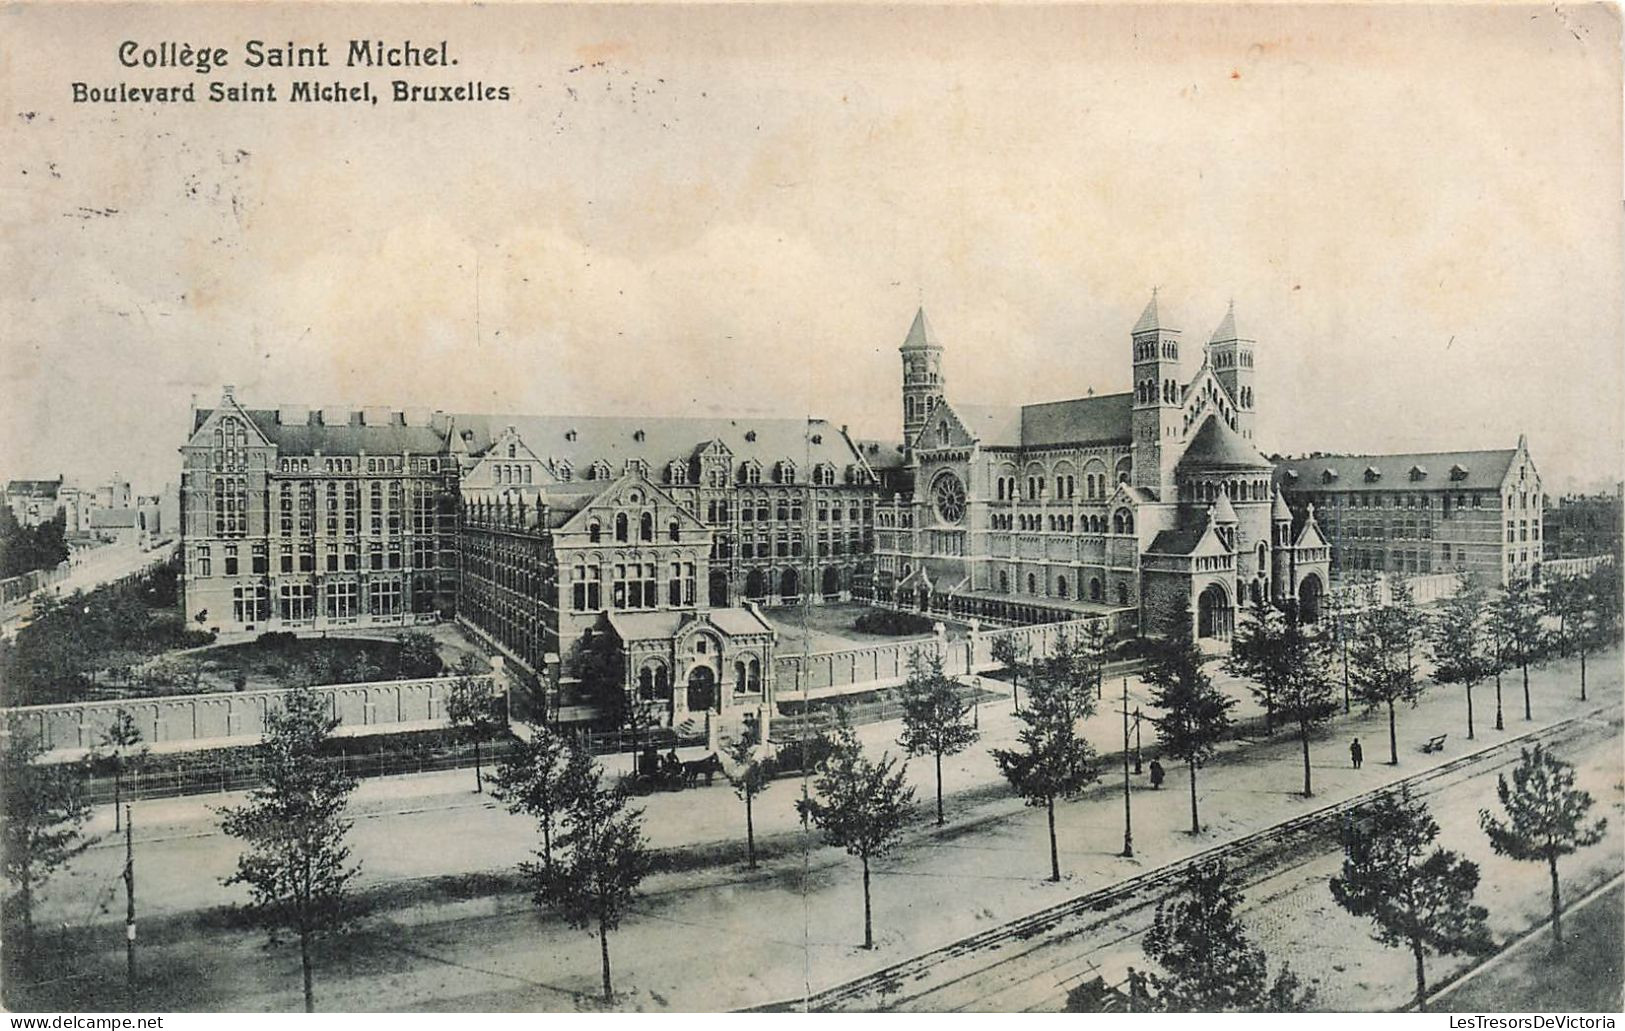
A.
x: 707, y: 210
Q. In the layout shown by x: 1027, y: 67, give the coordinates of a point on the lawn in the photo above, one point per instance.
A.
x: 272, y: 660
x: 829, y: 628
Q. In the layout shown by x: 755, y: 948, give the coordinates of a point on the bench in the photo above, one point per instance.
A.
x: 1434, y: 744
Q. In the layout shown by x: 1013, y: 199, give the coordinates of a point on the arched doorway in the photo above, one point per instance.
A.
x: 1309, y: 593
x: 755, y: 585
x: 1213, y: 613
x: 719, y: 589
x: 789, y: 586
x: 832, y: 583
x: 702, y: 689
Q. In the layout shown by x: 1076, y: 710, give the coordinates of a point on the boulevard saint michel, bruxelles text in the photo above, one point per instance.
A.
x: 252, y: 73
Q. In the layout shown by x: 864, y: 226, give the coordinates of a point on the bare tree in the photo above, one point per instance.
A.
x: 120, y: 744
x: 1012, y: 655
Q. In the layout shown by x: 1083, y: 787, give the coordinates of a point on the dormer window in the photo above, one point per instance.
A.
x: 677, y: 473
x: 1458, y: 472
x: 569, y: 434
x: 750, y: 436
x: 817, y: 438
x: 1372, y: 474
x: 786, y: 472
x: 1328, y: 475
x: 824, y: 475
x: 563, y: 471
x: 600, y: 470
x: 1418, y: 473
x: 750, y: 473
x: 637, y: 435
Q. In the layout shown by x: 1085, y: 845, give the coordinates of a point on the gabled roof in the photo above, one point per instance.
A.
x: 662, y: 625
x: 1193, y: 536
x: 1217, y: 446
x: 1107, y: 418
x: 655, y: 440
x: 1483, y: 469
x: 993, y: 425
x: 881, y: 454
x: 318, y: 431
x: 35, y: 488
x: 1223, y: 511
x: 920, y: 336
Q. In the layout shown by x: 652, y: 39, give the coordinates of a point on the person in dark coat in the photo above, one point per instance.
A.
x: 1356, y: 753
x: 1156, y: 774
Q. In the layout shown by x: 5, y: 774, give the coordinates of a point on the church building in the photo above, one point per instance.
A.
x: 1124, y: 506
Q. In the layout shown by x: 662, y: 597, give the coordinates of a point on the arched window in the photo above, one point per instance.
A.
x: 1060, y: 586
x: 739, y: 678
x: 595, y: 532
x: 621, y: 526
x: 646, y: 527
x: 753, y: 681
x: 1122, y: 593
x: 1032, y: 584
x: 674, y: 531
x: 1004, y: 583
x: 1094, y: 588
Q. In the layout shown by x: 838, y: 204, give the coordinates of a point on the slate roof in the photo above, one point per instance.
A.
x: 318, y: 430
x: 1148, y: 318
x: 615, y: 439
x: 112, y: 518
x: 660, y: 625
x: 881, y: 454
x: 1217, y: 446
x: 1107, y: 418
x: 1226, y: 331
x: 920, y: 335
x: 34, y: 488
x: 993, y: 425
x: 1484, y: 470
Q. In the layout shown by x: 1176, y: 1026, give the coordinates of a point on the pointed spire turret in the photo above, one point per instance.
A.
x: 1223, y: 512
x: 1149, y: 319
x: 920, y: 335
x: 1279, y: 512
x: 1226, y: 330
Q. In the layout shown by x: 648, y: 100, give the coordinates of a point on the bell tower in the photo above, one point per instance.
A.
x: 1231, y: 355
x: 922, y: 376
x: 1157, y: 399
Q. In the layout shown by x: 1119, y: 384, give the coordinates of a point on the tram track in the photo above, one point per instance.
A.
x: 975, y: 970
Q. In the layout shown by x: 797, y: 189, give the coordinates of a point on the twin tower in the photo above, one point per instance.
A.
x: 1160, y: 392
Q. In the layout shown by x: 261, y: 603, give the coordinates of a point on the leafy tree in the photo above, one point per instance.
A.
x: 1546, y: 818
x: 45, y: 808
x: 1408, y: 616
x: 475, y: 709
x: 1462, y: 650
x: 1258, y: 655
x: 1308, y: 693
x: 1196, y: 715
x: 1345, y: 599
x: 1516, y: 618
x: 861, y: 805
x: 540, y: 777
x: 120, y: 743
x: 748, y: 773
x: 295, y: 862
x: 1416, y: 894
x: 418, y: 655
x: 1208, y: 962
x: 1380, y: 652
x: 604, y: 857
x: 934, y: 720
x: 1012, y: 655
x: 1092, y: 654
x: 1053, y: 762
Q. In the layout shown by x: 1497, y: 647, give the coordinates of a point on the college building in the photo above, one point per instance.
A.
x: 669, y: 537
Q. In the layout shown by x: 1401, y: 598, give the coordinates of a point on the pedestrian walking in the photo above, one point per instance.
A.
x: 1156, y: 774
x: 1356, y: 753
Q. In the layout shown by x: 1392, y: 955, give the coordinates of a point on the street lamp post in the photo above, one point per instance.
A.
x: 1128, y: 815
x: 1137, y: 739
